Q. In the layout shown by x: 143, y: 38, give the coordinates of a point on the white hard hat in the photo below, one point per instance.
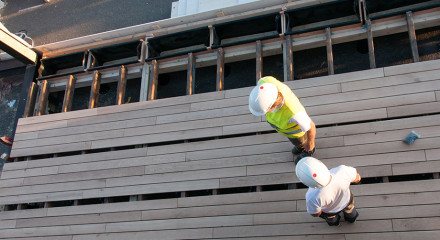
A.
x: 262, y: 98
x: 312, y: 172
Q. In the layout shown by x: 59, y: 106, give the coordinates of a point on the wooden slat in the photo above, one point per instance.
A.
x: 198, y: 233
x: 94, y: 91
x: 53, y: 231
x: 259, y: 60
x: 43, y: 94
x: 288, y: 59
x: 328, y: 35
x: 153, y: 81
x: 122, y: 84
x: 31, y: 100
x: 191, y: 74
x: 412, y: 67
x: 220, y: 79
x: 68, y: 94
x: 371, y: 55
x: 407, y: 235
x: 412, y: 36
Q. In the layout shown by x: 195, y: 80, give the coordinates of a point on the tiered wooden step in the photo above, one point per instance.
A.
x: 209, y: 144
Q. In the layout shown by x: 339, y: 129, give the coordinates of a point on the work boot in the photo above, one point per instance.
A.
x: 351, y: 220
x: 304, y: 154
x: 335, y: 221
x: 296, y: 151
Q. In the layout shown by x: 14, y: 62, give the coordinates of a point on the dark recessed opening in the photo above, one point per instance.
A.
x: 199, y: 193
x: 120, y: 199
x: 236, y: 190
x: 91, y: 201
x: 61, y: 203
x: 276, y: 187
x: 413, y: 177
x: 158, y: 196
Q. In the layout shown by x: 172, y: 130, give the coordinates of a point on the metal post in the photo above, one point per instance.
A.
x: 122, y: 83
x: 152, y: 84
x: 190, y: 77
x: 68, y: 94
x: 288, y: 59
x: 412, y: 36
x: 259, y: 60
x: 94, y: 91
x: 371, y: 55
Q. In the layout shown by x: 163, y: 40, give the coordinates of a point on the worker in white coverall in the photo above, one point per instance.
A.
x: 329, y: 190
x: 284, y: 113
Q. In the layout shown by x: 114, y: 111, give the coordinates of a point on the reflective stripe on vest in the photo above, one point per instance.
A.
x: 280, y: 120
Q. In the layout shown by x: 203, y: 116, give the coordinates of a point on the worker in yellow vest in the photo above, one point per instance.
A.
x: 285, y: 114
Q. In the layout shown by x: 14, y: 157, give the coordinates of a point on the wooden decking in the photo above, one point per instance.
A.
x: 202, y: 167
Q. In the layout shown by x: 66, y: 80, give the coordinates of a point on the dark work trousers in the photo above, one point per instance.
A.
x: 349, y: 211
x: 299, y: 144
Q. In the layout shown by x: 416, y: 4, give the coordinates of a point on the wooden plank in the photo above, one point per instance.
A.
x: 232, y: 111
x: 433, y: 154
x: 372, y: 93
x: 288, y: 59
x: 416, y: 168
x: 412, y: 36
x: 51, y: 149
x: 393, y: 135
x: 414, y: 109
x: 88, y: 158
x: 94, y: 91
x: 391, y: 80
x: 416, y: 224
x: 42, y: 99
x: 259, y: 60
x: 55, y: 187
x: 53, y: 231
x: 258, y: 180
x: 36, y: 120
x: 153, y: 188
x: 191, y: 74
x: 406, y: 235
x: 177, y: 176
x: 121, y: 163
x: 79, y: 219
x: 370, y: 41
x: 23, y: 214
x: 363, y: 115
x: 155, y: 138
x: 391, y: 101
x: 68, y: 94
x: 153, y: 81
x: 204, y: 222
x: 122, y: 84
x: 221, y: 210
x: 411, y: 67
x: 31, y: 100
x: 300, y: 229
x: 113, y: 208
x: 30, y: 172
x: 328, y: 35
x: 220, y: 79
x: 78, y: 176
x: 197, y: 233
x: 17, y: 47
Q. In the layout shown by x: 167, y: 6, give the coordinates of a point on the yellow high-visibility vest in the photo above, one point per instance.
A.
x: 280, y: 120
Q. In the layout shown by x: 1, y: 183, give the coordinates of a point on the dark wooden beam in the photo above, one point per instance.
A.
x: 328, y: 34
x: 190, y: 76
x: 259, y: 60
x: 288, y: 58
x: 31, y: 100
x: 68, y: 94
x: 122, y: 83
x: 43, y: 94
x: 94, y: 91
x: 412, y: 36
x: 370, y: 41
x: 220, y: 80
x: 152, y: 83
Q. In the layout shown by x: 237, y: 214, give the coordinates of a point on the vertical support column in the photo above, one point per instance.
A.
x: 43, y: 95
x: 30, y: 100
x: 94, y: 91
x: 220, y: 70
x: 122, y: 83
x: 190, y: 76
x: 412, y: 36
x: 288, y: 59
x: 144, y: 82
x: 328, y: 35
x: 152, y: 83
x: 259, y: 60
x: 211, y: 36
x: 370, y: 45
x: 68, y: 94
